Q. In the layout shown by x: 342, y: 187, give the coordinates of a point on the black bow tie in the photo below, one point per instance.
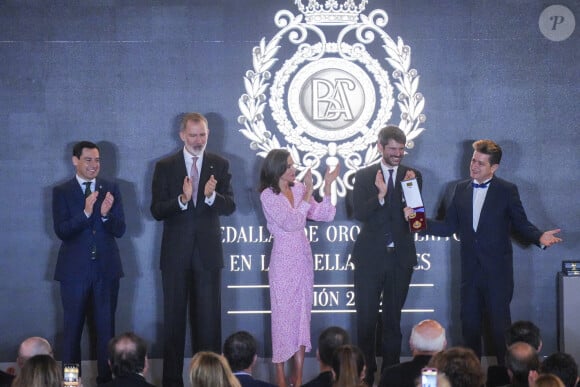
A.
x: 482, y: 185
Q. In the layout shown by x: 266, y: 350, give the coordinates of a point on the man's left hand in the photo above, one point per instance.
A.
x: 210, y: 187
x: 107, y: 204
x: 549, y: 238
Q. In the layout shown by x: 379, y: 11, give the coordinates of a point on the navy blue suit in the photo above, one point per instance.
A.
x: 378, y: 271
x: 88, y: 266
x: 247, y: 380
x: 191, y: 258
x: 486, y: 256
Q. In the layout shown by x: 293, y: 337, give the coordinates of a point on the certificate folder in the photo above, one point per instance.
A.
x: 418, y: 220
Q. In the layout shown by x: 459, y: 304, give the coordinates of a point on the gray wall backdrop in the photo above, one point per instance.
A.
x: 120, y: 72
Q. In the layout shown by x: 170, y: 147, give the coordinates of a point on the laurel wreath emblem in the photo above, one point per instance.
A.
x: 305, y: 152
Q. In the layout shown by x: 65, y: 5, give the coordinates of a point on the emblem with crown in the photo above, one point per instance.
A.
x: 332, y: 12
x: 277, y: 108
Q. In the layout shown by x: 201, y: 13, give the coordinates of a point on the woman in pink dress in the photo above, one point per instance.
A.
x: 287, y: 204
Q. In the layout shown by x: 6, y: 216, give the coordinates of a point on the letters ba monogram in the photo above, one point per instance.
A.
x: 328, y: 100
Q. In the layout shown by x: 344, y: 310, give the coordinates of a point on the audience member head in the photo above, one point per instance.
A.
x: 39, y: 371
x: 32, y: 346
x: 521, y: 359
x: 240, y: 351
x: 427, y: 337
x: 329, y: 340
x: 563, y: 366
x: 127, y: 355
x: 525, y: 331
x: 348, y: 366
x: 209, y: 369
x: 461, y: 366
x: 548, y: 380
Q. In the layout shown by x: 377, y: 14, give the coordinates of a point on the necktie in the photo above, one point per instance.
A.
x: 87, y: 185
x: 194, y: 179
x: 390, y: 185
x: 390, y: 192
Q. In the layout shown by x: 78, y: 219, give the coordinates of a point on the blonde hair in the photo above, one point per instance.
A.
x: 348, y: 366
x: 548, y: 380
x: 39, y: 371
x: 208, y: 369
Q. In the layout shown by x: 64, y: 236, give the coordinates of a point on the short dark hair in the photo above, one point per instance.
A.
x: 239, y: 350
x: 329, y: 340
x: 520, y: 359
x: 563, y: 366
x: 273, y: 167
x: 488, y: 147
x: 79, y: 146
x: 525, y: 331
x: 392, y: 132
x: 127, y: 353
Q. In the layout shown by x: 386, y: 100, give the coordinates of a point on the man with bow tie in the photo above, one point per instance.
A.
x: 483, y: 211
x: 190, y: 190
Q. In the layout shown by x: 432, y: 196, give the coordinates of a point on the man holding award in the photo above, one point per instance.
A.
x: 384, y: 252
x: 483, y: 211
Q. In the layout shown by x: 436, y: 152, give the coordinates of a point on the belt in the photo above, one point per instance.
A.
x: 390, y: 250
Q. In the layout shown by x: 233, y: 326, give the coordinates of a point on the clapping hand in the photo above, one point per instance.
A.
x: 381, y: 185
x: 329, y: 178
x: 107, y: 204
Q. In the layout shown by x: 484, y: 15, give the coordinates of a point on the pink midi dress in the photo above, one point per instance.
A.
x: 291, y: 271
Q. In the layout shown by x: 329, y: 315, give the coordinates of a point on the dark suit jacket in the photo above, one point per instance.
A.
x: 490, y: 247
x: 377, y: 221
x: 80, y: 234
x: 183, y: 230
x: 404, y: 374
x: 5, y: 379
x: 248, y: 381
x: 324, y: 379
x: 129, y: 381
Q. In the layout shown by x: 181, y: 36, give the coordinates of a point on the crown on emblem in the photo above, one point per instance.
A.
x: 332, y: 12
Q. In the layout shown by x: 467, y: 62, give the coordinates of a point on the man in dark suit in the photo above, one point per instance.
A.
x: 329, y: 340
x: 128, y: 361
x: 483, y: 211
x: 190, y: 190
x: 88, y: 215
x: 384, y: 252
x: 526, y: 331
x: 6, y: 379
x: 427, y: 338
x: 522, y: 362
x: 240, y: 352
